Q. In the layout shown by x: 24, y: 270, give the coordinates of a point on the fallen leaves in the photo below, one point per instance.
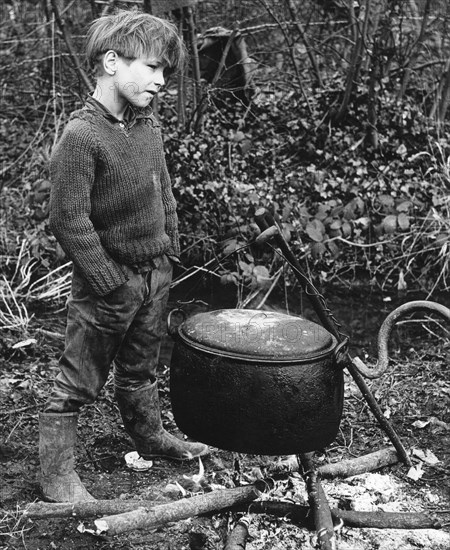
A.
x: 421, y: 457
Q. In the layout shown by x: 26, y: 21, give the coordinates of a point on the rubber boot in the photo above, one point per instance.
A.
x: 142, y: 420
x: 59, y: 482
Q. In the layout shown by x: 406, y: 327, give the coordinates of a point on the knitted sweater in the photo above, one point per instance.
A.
x: 111, y: 199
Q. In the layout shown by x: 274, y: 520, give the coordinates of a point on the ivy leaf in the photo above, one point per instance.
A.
x: 304, y: 216
x: 262, y: 276
x: 318, y: 250
x: 403, y: 221
x: 390, y: 224
x: 346, y: 229
x: 286, y: 233
x: 322, y: 211
x: 337, y: 224
x: 230, y: 247
x: 286, y: 212
x: 246, y: 268
x: 387, y: 201
x: 404, y: 206
x: 315, y: 230
x: 229, y: 278
x: 333, y: 248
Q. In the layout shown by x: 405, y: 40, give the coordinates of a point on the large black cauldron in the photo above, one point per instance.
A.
x: 256, y: 382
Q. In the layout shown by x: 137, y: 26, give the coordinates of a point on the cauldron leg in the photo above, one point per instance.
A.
x: 323, y: 520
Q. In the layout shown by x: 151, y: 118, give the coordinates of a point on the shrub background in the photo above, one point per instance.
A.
x: 345, y: 139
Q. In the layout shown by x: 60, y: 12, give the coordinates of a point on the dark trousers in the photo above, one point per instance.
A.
x: 124, y: 327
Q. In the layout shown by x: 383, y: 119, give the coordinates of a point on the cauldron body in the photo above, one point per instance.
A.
x: 256, y: 382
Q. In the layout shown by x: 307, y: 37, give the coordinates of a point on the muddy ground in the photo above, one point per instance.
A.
x: 414, y: 395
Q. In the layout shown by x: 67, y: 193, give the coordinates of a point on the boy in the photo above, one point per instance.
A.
x: 114, y: 214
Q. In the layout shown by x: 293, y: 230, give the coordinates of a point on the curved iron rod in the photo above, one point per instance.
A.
x: 385, y: 333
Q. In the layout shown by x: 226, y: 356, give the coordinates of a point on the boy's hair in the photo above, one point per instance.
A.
x: 132, y: 34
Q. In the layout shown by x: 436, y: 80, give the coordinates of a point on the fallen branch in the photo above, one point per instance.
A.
x: 387, y: 520
x: 359, y: 465
x: 18, y: 410
x: 380, y: 520
x: 226, y: 498
x: 323, y: 521
x: 346, y: 468
x: 149, y: 518
x: 237, y: 539
x: 87, y: 509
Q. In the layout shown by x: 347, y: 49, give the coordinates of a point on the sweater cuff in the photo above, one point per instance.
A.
x: 174, y: 249
x: 105, y: 280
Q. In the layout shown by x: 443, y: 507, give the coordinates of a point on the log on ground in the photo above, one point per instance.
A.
x: 150, y: 518
x: 302, y: 516
x: 360, y: 464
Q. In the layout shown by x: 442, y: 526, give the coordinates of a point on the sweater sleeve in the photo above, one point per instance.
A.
x: 170, y: 207
x: 72, y: 172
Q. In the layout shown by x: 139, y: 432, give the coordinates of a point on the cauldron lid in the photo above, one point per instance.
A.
x: 255, y: 335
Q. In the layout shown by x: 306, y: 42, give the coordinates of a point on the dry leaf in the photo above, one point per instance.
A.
x: 415, y: 472
x: 426, y: 456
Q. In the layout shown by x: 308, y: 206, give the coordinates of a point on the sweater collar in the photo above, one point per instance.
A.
x: 131, y: 115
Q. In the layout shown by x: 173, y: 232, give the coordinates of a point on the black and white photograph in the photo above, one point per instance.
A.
x: 225, y: 275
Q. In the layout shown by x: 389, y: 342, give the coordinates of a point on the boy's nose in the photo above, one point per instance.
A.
x: 159, y: 77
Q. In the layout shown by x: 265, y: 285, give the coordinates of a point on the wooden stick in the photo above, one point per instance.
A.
x: 90, y: 508
x: 265, y: 220
x: 387, y: 520
x: 361, y: 464
x: 72, y: 53
x: 297, y: 513
x: 323, y: 521
x: 381, y: 520
x: 201, y: 108
x: 149, y: 518
x: 197, y: 96
x: 226, y: 498
x: 352, y: 466
x: 237, y: 539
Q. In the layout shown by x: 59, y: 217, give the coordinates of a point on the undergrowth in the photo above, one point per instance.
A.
x: 351, y: 212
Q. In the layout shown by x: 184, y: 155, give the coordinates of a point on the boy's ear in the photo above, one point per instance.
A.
x: 110, y: 62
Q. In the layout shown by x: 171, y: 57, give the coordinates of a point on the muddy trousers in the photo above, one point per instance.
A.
x: 123, y: 328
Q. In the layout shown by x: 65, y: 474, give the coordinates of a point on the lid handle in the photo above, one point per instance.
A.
x: 173, y: 330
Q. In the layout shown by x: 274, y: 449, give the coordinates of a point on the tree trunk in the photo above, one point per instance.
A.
x: 68, y: 40
x: 441, y: 103
x: 360, y: 31
x: 411, y: 62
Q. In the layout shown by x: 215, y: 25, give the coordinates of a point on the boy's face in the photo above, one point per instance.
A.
x: 138, y: 81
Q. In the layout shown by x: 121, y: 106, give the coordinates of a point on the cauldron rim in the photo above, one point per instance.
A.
x: 257, y: 359
x: 314, y: 343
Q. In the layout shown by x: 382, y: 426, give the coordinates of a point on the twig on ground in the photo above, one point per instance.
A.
x: 143, y: 518
x: 51, y: 334
x: 359, y: 465
x: 148, y: 514
x: 350, y: 467
x: 15, y: 411
x: 323, y: 521
x: 237, y: 539
x: 380, y: 520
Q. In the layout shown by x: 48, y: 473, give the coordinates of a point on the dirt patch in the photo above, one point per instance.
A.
x: 414, y: 395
